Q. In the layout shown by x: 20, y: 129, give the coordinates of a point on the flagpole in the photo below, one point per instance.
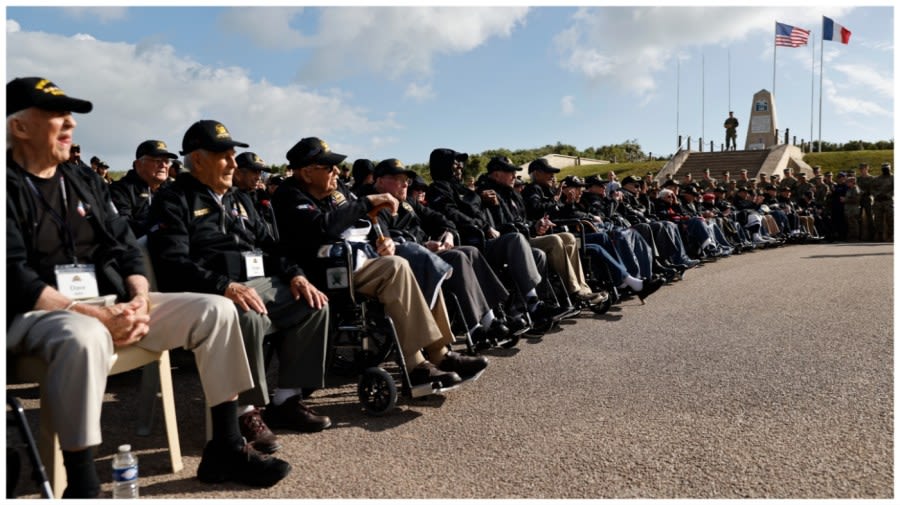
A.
x: 702, y: 98
x: 812, y: 85
x: 821, y: 74
x: 677, y: 99
x: 729, y: 79
x: 774, y: 56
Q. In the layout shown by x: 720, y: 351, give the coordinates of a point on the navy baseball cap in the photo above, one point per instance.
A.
x: 209, y: 135
x: 251, y: 161
x: 311, y: 151
x: 153, y: 148
x: 25, y: 92
x: 393, y: 166
x: 543, y: 165
x: 501, y: 164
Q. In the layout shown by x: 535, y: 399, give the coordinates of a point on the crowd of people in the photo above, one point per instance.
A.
x: 235, y: 248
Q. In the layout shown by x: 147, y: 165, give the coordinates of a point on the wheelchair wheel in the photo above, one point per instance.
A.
x: 377, y: 391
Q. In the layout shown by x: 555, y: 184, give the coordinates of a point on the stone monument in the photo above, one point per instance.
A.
x: 762, y: 124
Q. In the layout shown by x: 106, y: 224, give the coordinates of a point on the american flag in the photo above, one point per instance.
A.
x: 790, y: 36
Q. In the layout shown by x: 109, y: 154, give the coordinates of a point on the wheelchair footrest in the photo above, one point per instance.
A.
x: 431, y: 389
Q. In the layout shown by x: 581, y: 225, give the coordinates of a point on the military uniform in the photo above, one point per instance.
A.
x: 852, y: 211
x: 883, y: 207
x: 867, y: 219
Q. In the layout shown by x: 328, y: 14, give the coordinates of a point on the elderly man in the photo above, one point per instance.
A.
x: 319, y: 212
x: 207, y: 237
x: 66, y: 246
x: 510, y: 250
x: 473, y: 282
x: 541, y: 203
x: 133, y: 193
x: 248, y: 179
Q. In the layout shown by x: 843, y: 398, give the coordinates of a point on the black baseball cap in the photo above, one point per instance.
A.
x: 543, y: 165
x: 251, y: 161
x: 393, y: 166
x: 25, y: 92
x: 573, y: 181
x: 153, y: 148
x: 418, y: 183
x: 501, y: 164
x: 311, y: 151
x: 362, y: 168
x: 594, y: 180
x: 209, y: 135
x: 629, y: 180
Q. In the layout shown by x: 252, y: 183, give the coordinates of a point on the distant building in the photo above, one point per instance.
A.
x: 563, y: 161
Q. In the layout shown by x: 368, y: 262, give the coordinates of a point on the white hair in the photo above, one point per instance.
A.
x: 664, y: 192
x: 9, y: 119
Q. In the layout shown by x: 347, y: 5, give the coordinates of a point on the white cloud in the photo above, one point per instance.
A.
x: 396, y: 41
x: 268, y: 27
x: 420, y: 92
x: 102, y: 14
x: 628, y: 46
x: 12, y: 26
x: 862, y: 76
x: 152, y: 92
x: 567, y: 105
x: 846, y: 104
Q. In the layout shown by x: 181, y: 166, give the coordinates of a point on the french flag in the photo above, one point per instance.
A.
x: 833, y: 31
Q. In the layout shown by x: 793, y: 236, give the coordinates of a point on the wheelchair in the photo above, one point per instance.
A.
x: 363, y: 337
x: 596, y: 273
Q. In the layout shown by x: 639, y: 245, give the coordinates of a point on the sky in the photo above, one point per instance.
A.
x: 399, y: 81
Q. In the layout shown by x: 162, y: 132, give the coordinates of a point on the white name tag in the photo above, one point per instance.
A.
x: 254, y: 262
x: 76, y: 281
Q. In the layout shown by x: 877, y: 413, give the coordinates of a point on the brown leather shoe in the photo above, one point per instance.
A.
x: 427, y: 373
x: 257, y: 434
x: 293, y: 414
x: 466, y: 366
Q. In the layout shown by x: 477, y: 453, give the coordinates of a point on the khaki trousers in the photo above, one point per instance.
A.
x: 563, y: 257
x: 390, y: 280
x: 79, y: 349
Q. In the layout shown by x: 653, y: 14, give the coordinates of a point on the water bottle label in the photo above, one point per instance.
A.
x: 125, y: 474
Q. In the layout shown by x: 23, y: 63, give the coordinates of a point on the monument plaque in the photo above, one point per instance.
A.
x: 762, y: 124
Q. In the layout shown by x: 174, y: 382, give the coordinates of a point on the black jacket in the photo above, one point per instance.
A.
x: 451, y: 198
x: 540, y: 200
x: 117, y: 257
x: 132, y: 198
x: 510, y: 214
x: 198, y: 245
x: 305, y: 223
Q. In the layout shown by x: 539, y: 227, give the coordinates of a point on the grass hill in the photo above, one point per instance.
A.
x: 835, y: 161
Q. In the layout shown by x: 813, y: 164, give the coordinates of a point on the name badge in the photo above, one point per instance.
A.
x: 253, y: 260
x: 77, y: 282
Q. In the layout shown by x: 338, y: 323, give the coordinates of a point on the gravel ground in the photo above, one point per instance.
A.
x: 765, y: 375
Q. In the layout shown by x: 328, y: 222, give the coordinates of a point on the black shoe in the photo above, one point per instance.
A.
x: 427, y: 373
x: 498, y: 331
x: 244, y: 465
x: 517, y: 325
x: 467, y: 367
x: 650, y: 287
x: 293, y: 414
x: 544, y: 312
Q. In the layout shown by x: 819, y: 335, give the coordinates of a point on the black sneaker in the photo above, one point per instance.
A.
x: 468, y: 367
x: 244, y: 465
x: 427, y: 373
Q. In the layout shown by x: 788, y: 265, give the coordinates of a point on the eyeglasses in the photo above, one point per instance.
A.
x: 157, y: 161
x: 319, y: 166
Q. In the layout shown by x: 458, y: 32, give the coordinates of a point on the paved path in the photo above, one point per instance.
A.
x: 766, y: 375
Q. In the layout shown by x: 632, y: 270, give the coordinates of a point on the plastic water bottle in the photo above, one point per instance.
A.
x: 125, y: 473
